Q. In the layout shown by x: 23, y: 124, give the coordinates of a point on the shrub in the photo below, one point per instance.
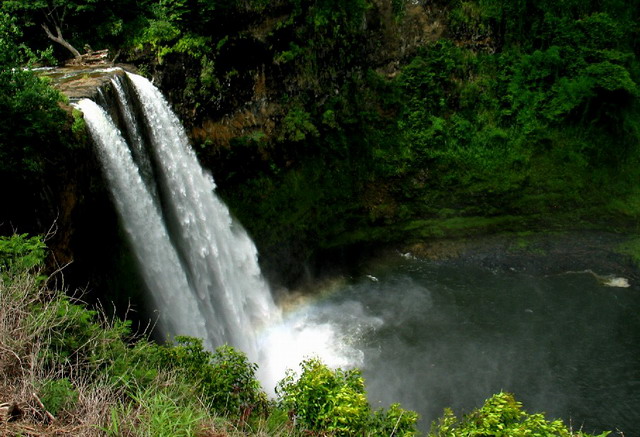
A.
x: 58, y: 395
x: 334, y: 401
x: 501, y: 416
x: 20, y: 253
x: 225, y: 378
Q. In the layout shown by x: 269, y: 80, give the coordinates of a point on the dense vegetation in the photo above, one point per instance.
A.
x: 68, y: 370
x: 521, y: 111
x: 511, y: 114
x: 37, y: 135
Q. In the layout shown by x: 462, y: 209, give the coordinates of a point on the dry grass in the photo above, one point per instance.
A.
x: 32, y: 318
x: 29, y: 313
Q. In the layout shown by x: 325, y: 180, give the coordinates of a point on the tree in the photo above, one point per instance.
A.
x: 51, y: 13
x: 35, y: 134
x: 74, y: 23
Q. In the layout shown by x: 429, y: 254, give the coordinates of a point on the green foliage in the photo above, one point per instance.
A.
x: 166, y: 408
x: 33, y: 122
x: 225, y: 378
x: 334, y: 401
x: 76, y: 334
x: 395, y: 421
x: 632, y: 249
x: 69, y: 331
x: 297, y: 125
x: 326, y: 400
x: 171, y: 30
x: 113, y: 23
x: 21, y: 253
x: 502, y: 130
x: 470, y: 21
x: 79, y: 127
x: 501, y: 415
x: 58, y: 395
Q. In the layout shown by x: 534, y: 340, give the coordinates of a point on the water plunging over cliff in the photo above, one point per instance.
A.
x: 199, y: 265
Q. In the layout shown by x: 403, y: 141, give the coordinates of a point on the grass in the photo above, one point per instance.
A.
x: 26, y: 306
x: 61, y: 373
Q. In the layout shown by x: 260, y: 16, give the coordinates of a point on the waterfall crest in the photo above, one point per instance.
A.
x: 200, y: 266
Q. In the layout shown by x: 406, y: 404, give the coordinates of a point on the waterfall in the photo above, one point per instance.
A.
x: 199, y: 265
x: 143, y: 223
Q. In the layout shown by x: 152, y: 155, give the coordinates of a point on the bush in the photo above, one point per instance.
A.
x: 322, y: 400
x: 20, y: 253
x: 58, y: 395
x: 501, y: 416
x: 225, y: 378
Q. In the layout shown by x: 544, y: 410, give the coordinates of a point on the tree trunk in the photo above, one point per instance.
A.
x: 60, y: 40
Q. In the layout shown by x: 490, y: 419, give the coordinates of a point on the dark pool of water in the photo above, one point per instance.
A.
x: 436, y: 335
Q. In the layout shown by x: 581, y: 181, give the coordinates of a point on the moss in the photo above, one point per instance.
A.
x: 631, y: 248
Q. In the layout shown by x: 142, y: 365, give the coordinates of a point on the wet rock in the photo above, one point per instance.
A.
x: 83, y: 81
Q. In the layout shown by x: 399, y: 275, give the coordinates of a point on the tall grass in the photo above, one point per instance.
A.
x: 67, y: 370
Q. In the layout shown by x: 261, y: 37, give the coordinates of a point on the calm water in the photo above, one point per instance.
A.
x: 436, y: 336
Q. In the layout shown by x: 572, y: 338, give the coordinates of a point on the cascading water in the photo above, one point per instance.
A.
x: 143, y: 224
x: 200, y: 265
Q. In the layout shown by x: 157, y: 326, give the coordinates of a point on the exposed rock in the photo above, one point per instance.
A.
x: 399, y: 37
x: 83, y: 81
x: 243, y: 123
x: 91, y: 58
x: 259, y: 81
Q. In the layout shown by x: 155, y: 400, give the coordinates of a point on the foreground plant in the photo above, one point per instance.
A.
x: 502, y: 416
x: 333, y: 402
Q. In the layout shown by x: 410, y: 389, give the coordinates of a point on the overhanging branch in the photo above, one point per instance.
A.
x: 60, y: 40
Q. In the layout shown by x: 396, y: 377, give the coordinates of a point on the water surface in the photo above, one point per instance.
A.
x: 435, y: 335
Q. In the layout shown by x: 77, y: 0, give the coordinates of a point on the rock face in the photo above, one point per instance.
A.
x: 253, y: 78
x: 84, y: 81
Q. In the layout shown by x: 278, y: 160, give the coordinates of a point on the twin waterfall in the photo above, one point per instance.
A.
x: 199, y: 264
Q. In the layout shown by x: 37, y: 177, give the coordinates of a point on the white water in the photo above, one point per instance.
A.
x: 200, y: 265
x: 158, y: 260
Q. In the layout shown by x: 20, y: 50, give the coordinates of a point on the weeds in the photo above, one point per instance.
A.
x: 68, y: 370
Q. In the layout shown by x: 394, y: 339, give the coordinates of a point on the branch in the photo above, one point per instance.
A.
x: 41, y: 405
x: 60, y: 40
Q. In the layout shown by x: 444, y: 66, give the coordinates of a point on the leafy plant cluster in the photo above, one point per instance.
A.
x: 20, y: 253
x: 334, y: 401
x: 37, y: 142
x: 502, y: 415
x: 524, y: 109
x: 28, y: 106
